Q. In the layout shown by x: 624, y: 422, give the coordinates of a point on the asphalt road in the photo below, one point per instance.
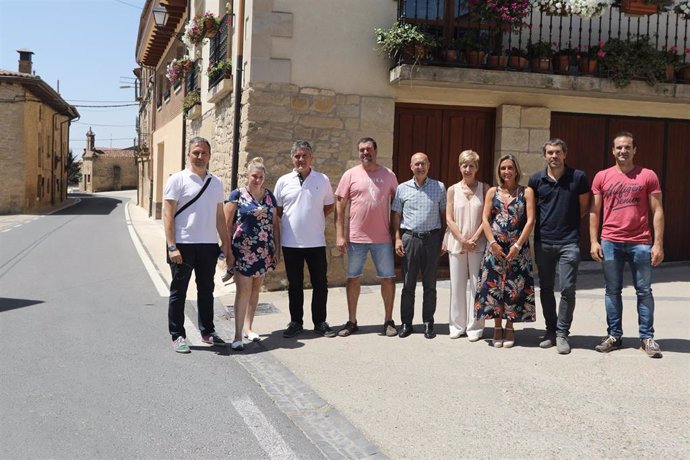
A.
x: 82, y: 372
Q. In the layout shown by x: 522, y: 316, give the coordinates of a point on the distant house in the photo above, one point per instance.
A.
x: 34, y: 134
x: 105, y: 169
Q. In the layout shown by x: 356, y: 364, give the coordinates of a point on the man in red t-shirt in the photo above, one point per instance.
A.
x: 628, y: 193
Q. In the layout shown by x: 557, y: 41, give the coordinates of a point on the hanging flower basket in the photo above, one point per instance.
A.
x: 190, y: 100
x: 178, y: 68
x: 588, y: 8
x: 683, y: 9
x: 193, y: 33
x: 210, y: 24
x: 582, y: 8
x: 502, y: 13
x: 552, y: 7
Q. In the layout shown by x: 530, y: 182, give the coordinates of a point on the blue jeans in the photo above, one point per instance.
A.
x: 567, y: 258
x: 639, y: 257
x: 381, y: 255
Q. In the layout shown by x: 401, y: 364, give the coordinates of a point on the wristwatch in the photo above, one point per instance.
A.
x: 172, y: 247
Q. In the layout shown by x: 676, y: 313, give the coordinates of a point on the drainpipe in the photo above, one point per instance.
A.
x: 65, y: 173
x: 184, y: 115
x: 239, y: 18
x: 184, y: 138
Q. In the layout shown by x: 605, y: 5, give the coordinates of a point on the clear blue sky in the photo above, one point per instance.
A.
x: 89, y: 47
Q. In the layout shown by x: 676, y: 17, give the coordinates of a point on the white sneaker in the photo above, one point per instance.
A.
x: 180, y: 345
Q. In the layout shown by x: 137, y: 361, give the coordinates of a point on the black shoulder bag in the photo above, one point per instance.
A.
x: 191, y: 202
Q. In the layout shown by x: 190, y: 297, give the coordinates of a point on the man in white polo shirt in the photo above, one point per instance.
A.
x: 305, y: 198
x: 192, y: 215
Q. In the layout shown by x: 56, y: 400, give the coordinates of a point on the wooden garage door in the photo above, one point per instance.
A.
x: 661, y: 146
x: 442, y: 133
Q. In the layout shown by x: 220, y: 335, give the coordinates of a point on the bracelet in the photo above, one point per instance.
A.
x: 519, y: 248
x: 492, y: 242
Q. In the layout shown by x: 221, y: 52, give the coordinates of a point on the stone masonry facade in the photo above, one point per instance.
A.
x: 522, y: 131
x: 275, y: 115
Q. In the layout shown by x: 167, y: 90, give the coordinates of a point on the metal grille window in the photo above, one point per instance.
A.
x: 218, y: 52
x: 192, y: 79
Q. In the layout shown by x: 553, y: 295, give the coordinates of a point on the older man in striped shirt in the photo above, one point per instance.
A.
x: 418, y: 216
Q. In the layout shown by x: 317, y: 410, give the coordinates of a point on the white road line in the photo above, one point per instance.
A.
x: 161, y: 287
x: 6, y: 230
x: 17, y: 226
x: 269, y: 439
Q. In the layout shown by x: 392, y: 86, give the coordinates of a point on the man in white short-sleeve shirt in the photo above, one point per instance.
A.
x: 192, y: 215
x: 305, y: 198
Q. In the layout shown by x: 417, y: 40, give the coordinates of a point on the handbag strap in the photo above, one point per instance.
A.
x: 190, y: 202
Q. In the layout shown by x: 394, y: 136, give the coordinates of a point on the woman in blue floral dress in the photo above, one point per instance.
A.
x: 506, y: 287
x: 254, y: 228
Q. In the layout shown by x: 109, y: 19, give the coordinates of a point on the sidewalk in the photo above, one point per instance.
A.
x: 442, y: 398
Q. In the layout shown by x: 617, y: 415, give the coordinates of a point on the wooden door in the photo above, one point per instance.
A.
x: 662, y: 146
x: 443, y: 132
x: 676, y: 190
x: 587, y: 153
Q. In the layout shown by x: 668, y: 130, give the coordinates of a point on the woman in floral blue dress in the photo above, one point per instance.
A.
x: 254, y: 227
x: 506, y: 287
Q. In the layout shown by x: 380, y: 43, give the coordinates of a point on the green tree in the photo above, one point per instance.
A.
x: 73, y: 168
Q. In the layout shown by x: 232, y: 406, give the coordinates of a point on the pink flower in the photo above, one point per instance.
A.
x: 601, y: 44
x: 263, y: 235
x: 601, y: 54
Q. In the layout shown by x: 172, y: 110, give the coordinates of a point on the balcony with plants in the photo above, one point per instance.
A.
x: 618, y: 41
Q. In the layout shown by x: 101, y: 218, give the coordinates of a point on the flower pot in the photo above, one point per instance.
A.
x: 414, y: 54
x: 561, y: 64
x: 684, y: 75
x: 450, y: 55
x: 210, y: 28
x: 496, y: 62
x: 540, y: 65
x: 588, y: 66
x: 517, y: 62
x: 670, y: 72
x: 474, y: 58
x: 638, y: 7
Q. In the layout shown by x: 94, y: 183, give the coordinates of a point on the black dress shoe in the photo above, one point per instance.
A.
x: 429, y: 330
x: 405, y: 330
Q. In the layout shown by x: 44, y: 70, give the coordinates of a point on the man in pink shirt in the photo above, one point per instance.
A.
x: 368, y: 188
x: 628, y: 193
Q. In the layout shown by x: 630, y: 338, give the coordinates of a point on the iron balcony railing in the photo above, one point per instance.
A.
x: 218, y: 51
x: 462, y: 36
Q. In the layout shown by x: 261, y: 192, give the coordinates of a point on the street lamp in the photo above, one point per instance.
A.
x: 160, y: 15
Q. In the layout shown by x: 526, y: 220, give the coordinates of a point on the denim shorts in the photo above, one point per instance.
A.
x: 381, y: 255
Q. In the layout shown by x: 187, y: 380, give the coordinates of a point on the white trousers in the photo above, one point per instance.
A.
x: 464, y: 268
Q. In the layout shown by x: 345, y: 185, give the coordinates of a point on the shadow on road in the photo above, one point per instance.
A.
x: 7, y: 304
x: 91, y: 205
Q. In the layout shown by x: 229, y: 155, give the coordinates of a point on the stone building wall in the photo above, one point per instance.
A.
x: 103, y: 173
x: 12, y: 173
x: 522, y: 131
x: 275, y: 115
